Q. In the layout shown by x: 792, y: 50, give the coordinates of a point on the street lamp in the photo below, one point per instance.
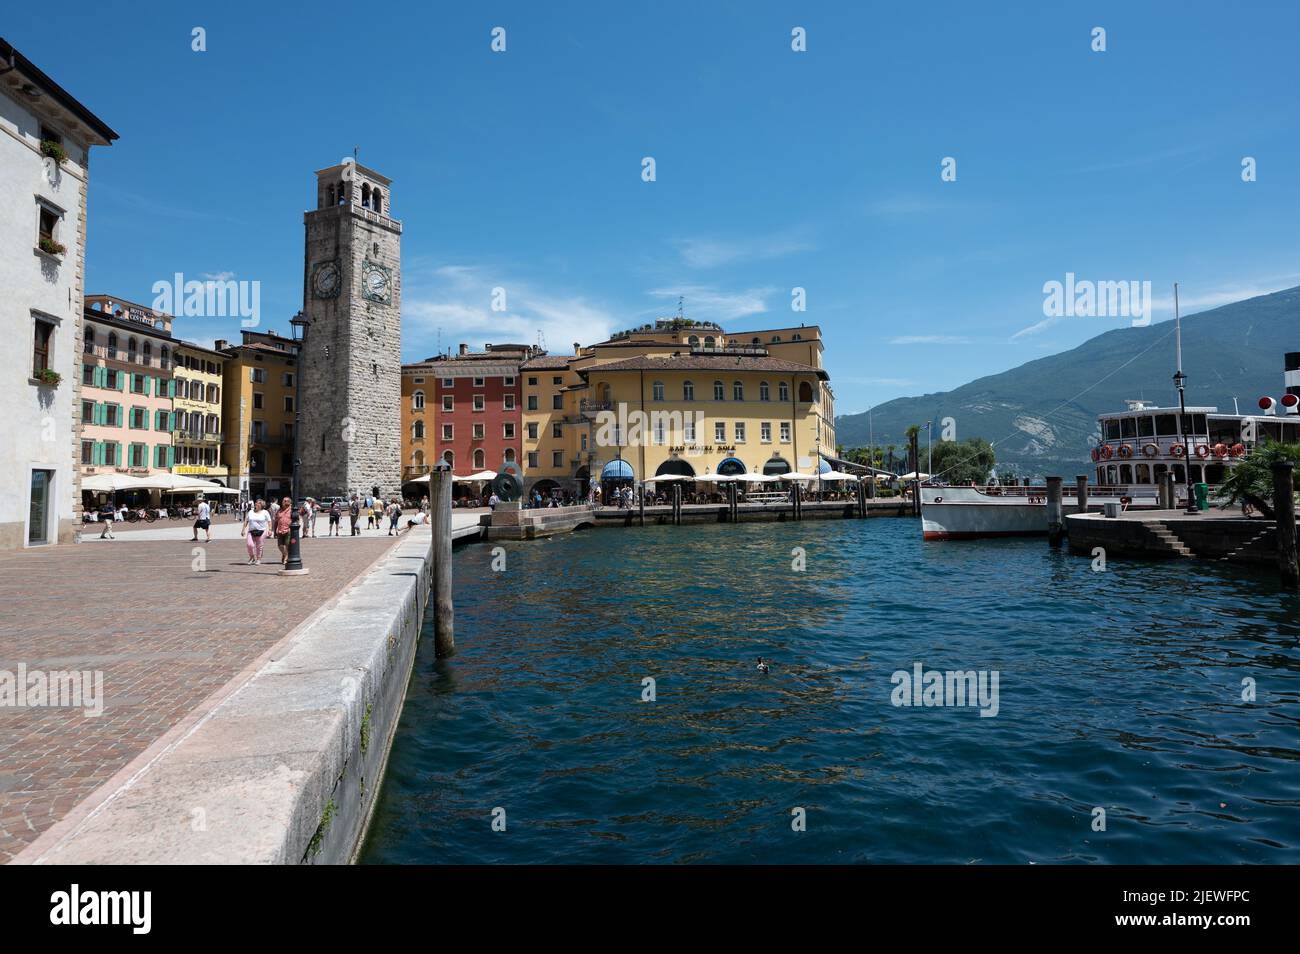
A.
x: 293, y: 566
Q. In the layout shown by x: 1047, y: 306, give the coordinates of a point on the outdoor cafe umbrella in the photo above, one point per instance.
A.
x: 913, y: 475
x: 794, y: 475
x: 838, y: 475
x: 107, y: 483
x: 753, y: 478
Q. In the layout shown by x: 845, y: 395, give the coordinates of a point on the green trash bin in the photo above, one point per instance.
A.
x: 1202, y: 496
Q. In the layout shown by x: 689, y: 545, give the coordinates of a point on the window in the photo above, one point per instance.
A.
x: 557, y: 402
x: 783, y: 391
x: 448, y: 403
x: 657, y: 391
x: 557, y: 381
x: 449, y: 457
x: 765, y: 432
x: 139, y: 419
x: 688, y: 427
x: 87, y: 452
x: 764, y: 392
x: 87, y: 412
x: 785, y: 432
x: 737, y: 391
x: 448, y: 382
x: 478, y: 432
x: 447, y: 432
x: 797, y: 338
x: 776, y: 338
x: 659, y: 429
x: 557, y: 458
x: 509, y: 404
x: 508, y: 380
x: 111, y: 418
x: 147, y: 352
x: 417, y: 431
x: 532, y: 432
x: 532, y: 402
x: 110, y: 454
x: 693, y: 341
x: 88, y: 375
x: 740, y: 432
x: 532, y: 382
x: 688, y: 391
x: 257, y: 400
x: 720, y: 432
x: 480, y: 459
x: 138, y: 385
x: 287, y: 379
x: 89, y: 341
x: 532, y: 460
x: 508, y: 431
x: 112, y: 344
x: 719, y: 392
x: 49, y: 220
x: 110, y: 379
x: 510, y: 455
x: 478, y: 382
x: 805, y: 392
x: 708, y: 341
x: 42, y: 336
x: 139, y: 457
x: 557, y: 430
x: 288, y: 403
x: 257, y: 375
x: 478, y: 402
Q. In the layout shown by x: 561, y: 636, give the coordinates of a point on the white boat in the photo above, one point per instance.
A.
x: 1133, y: 452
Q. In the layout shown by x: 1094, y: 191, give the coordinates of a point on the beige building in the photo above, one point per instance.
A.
x: 196, y: 432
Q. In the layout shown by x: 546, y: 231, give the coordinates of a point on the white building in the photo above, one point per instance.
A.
x: 45, y: 140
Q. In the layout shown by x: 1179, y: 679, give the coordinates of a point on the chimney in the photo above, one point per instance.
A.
x: 464, y: 349
x: 219, y: 344
x: 577, y: 348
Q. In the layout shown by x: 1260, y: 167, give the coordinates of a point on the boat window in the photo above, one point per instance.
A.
x: 1146, y: 427
x: 1198, y: 424
x: 1111, y: 429
x: 1144, y: 473
x: 1129, y: 426
x: 1166, y: 425
x: 1125, y: 474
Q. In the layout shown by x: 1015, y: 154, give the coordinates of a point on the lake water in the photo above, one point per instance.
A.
x: 1119, y: 690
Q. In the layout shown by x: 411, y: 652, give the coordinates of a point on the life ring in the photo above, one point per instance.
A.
x: 1220, y: 450
x: 1125, y: 451
x: 1178, y: 450
x: 1104, y: 450
x: 1202, y: 451
x: 1238, y: 450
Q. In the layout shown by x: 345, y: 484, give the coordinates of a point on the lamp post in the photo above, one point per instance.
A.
x: 293, y: 566
x: 1180, y: 381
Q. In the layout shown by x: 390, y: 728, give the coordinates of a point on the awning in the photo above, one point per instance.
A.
x: 731, y: 467
x: 617, y: 470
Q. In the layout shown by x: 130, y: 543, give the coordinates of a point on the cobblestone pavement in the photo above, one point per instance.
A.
x: 164, y: 636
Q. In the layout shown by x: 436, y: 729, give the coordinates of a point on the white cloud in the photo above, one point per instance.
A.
x: 1035, y: 328
x: 709, y: 304
x: 454, y: 303
x: 712, y: 252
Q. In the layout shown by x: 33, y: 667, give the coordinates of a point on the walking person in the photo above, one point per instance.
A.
x: 311, y: 508
x: 107, y: 516
x: 336, y: 513
x: 377, y: 513
x: 394, y: 514
x: 257, y: 523
x: 283, y: 523
x: 354, y: 514
x: 203, y: 521
x: 493, y: 501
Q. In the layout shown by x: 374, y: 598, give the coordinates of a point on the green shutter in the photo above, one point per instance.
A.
x: 171, y: 456
x: 171, y: 416
x: 120, y: 412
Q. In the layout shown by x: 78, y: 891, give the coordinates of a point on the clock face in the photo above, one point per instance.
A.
x: 377, y: 280
x: 327, y: 279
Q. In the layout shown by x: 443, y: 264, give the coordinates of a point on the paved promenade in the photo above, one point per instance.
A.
x: 167, y: 623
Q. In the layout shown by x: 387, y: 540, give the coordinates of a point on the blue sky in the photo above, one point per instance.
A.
x: 775, y: 169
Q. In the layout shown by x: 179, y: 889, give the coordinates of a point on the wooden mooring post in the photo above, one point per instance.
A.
x: 862, y: 499
x: 677, y: 504
x: 794, y: 501
x: 1081, y: 493
x: 1055, y: 524
x: 1284, y: 517
x: 641, y: 504
x: 732, y: 514
x: 444, y: 615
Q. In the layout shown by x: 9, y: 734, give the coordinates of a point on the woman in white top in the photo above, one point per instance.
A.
x: 257, y: 524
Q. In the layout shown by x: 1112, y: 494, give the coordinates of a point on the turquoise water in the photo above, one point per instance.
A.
x: 1118, y: 689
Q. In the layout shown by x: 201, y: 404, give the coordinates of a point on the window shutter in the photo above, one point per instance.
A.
x: 171, y: 456
x: 119, y: 414
x: 171, y: 416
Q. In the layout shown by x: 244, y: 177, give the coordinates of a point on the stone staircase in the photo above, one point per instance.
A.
x: 1167, y: 542
x: 1258, y: 549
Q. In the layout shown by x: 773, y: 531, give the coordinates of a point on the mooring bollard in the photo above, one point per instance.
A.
x: 1055, y: 527
x: 444, y: 643
x: 641, y: 498
x: 1284, y: 521
x: 1081, y: 493
x: 732, y: 501
x: 677, y: 504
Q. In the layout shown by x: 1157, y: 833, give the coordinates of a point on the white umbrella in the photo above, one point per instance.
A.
x: 758, y: 478
x: 106, y: 483
x: 913, y: 475
x: 794, y: 475
x: 668, y: 478
x: 838, y: 475
x: 481, y: 475
x: 715, y: 478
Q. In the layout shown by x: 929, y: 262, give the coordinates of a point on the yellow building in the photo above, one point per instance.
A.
x: 680, y: 397
x: 258, y: 395
x: 196, y: 434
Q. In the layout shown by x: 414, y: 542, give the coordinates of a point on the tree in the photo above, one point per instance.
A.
x: 1251, y: 481
x: 964, y: 462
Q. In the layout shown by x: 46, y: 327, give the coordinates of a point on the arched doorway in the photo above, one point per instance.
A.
x: 777, y: 465
x: 583, y: 479
x: 614, y: 476
x: 732, y: 467
x: 676, y: 466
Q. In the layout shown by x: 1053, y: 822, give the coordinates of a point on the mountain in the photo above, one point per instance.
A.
x: 1040, y: 415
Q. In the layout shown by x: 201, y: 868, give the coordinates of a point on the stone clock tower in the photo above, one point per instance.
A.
x: 351, y: 364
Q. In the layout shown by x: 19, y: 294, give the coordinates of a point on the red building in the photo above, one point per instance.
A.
x: 477, y: 416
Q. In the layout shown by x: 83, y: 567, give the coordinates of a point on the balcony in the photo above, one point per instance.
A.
x: 589, y: 409
x: 413, y: 471
x: 192, y: 437
x: 130, y: 357
x: 269, y: 440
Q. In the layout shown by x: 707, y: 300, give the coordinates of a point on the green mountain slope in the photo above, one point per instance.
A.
x: 1040, y: 415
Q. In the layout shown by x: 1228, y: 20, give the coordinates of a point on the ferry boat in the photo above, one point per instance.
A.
x: 1134, y: 450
